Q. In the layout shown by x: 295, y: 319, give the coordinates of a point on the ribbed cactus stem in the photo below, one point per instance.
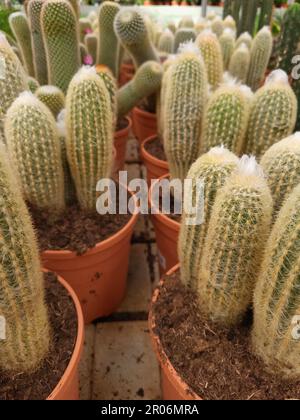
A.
x: 76, y: 7
x: 277, y: 295
x: 234, y: 245
x: 239, y: 63
x: 91, y: 43
x: 212, y: 54
x: 273, y: 114
x: 213, y: 169
x: 52, y: 97
x: 183, y: 36
x: 244, y: 38
x: 89, y: 135
x: 227, y: 42
x: 22, y: 302
x: 166, y: 42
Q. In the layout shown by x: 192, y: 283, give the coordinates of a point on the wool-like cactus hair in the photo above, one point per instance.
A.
x: 239, y: 63
x: 212, y: 54
x: 52, y: 97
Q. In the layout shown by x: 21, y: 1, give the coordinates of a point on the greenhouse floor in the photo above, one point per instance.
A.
x: 118, y: 361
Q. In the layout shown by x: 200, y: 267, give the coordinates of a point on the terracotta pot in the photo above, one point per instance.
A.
x: 167, y: 233
x: 173, y: 387
x: 68, y: 386
x: 98, y: 277
x: 144, y: 124
x: 156, y: 168
x: 120, y: 144
x: 126, y: 74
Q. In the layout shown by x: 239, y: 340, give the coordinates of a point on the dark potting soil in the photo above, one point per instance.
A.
x: 216, y: 363
x: 38, y: 385
x: 172, y: 215
x: 122, y: 123
x: 156, y: 149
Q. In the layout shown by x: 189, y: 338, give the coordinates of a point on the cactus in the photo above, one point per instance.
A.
x: 33, y: 84
x: 91, y: 43
x: 213, y: 169
x: 227, y: 42
x: 60, y: 33
x: 111, y: 86
x: 238, y: 228
x: 229, y: 23
x: 273, y: 114
x: 217, y: 26
x: 85, y: 27
x: 89, y: 134
x: 200, y: 26
x: 296, y: 89
x: 22, y: 302
x: 132, y: 32
x: 266, y: 12
x: 38, y: 49
x: 76, y: 7
x: 146, y: 82
x: 172, y: 27
x: 244, y: 38
x: 186, y: 22
x: 226, y: 118
x: 108, y: 43
x: 260, y: 54
x: 277, y: 295
x: 83, y: 53
x: 186, y: 97
x: 166, y: 42
x: 183, y: 36
x: 281, y: 164
x: 52, y: 97
x: 33, y: 145
x: 212, y: 55
x: 20, y: 27
x: 239, y: 63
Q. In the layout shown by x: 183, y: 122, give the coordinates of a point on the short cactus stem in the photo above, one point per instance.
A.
x: 52, y: 97
x: 239, y: 63
x: 212, y: 54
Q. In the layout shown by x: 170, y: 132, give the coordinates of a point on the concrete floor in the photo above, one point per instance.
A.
x: 118, y: 361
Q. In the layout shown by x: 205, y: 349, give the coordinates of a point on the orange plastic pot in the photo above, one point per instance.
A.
x: 167, y: 233
x: 156, y: 168
x: 173, y: 387
x: 144, y: 124
x: 68, y: 386
x: 120, y: 144
x: 98, y: 277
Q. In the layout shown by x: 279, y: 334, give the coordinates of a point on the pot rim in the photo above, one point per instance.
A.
x: 152, y: 159
x: 124, y: 131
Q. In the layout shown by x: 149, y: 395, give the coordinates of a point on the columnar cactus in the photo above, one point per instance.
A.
x: 146, y: 82
x: 108, y: 43
x: 33, y: 145
x: 61, y: 38
x: 110, y: 83
x: 227, y: 42
x: 52, y: 97
x: 38, y: 49
x: 273, y: 114
x: 186, y: 97
x: 260, y: 54
x: 85, y: 27
x: 22, y: 302
x: 248, y: 15
x: 132, y: 31
x: 238, y: 228
x: 20, y: 28
x: 277, y: 295
x: 217, y: 26
x: 239, y: 63
x: 166, y: 42
x: 244, y: 38
x: 91, y: 43
x: 266, y: 12
x: 89, y: 134
x: 33, y: 84
x: 226, y: 118
x: 213, y: 169
x: 183, y: 36
x: 212, y: 54
x: 281, y: 164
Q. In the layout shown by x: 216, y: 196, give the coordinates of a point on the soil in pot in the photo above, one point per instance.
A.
x: 216, y: 363
x: 156, y: 149
x: 63, y: 319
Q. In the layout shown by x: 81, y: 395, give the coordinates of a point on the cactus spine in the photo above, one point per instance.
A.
x: 277, y: 295
x: 227, y: 42
x: 21, y: 282
x: 33, y: 145
x: 183, y: 36
x: 238, y: 228
x: 273, y: 114
x: 52, y: 97
x: 89, y: 135
x: 166, y: 42
x: 213, y: 168
x: 212, y: 54
x: 61, y: 38
x: 239, y: 63
x: 91, y: 43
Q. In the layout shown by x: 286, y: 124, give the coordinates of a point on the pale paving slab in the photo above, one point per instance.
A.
x: 125, y: 364
x: 86, y: 364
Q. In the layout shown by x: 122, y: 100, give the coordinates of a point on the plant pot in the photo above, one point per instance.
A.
x: 156, y: 168
x: 68, y: 386
x: 173, y: 387
x: 126, y: 74
x: 167, y: 233
x: 98, y: 277
x: 120, y: 143
x: 144, y: 124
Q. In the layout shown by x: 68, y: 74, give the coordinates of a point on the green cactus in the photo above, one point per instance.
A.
x: 273, y: 114
x: 266, y: 12
x: 111, y: 86
x: 33, y: 84
x: 260, y: 54
x: 108, y: 43
x: 217, y: 26
x: 61, y: 38
x: 52, y: 97
x: 33, y: 145
x: 212, y: 54
x: 91, y: 43
x: 228, y: 8
x: 238, y: 228
x: 38, y: 49
x: 239, y: 63
x: 227, y: 42
x: 296, y: 89
x: 20, y: 28
x: 132, y: 32
x: 244, y: 38
x: 166, y: 42
x: 277, y: 295
x: 186, y: 96
x: 85, y: 27
x: 183, y: 36
x: 22, y: 302
x: 247, y: 19
x: 186, y: 22
x: 76, y: 7
x: 83, y: 52
x: 89, y: 135
x: 226, y: 118
x: 213, y: 169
